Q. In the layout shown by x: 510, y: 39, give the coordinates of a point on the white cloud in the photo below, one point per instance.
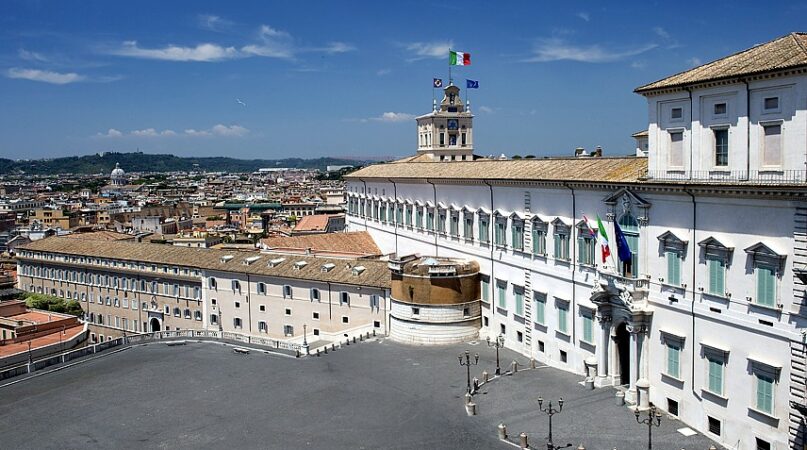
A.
x: 151, y: 132
x: 584, y: 16
x: 555, y: 49
x: 661, y: 32
x: 192, y: 132
x: 423, y: 50
x: 201, y: 53
x: 273, y: 44
x: 337, y: 47
x: 232, y: 130
x: 382, y: 72
x: 111, y: 133
x: 45, y: 76
x: 638, y: 65
x: 694, y: 61
x: 394, y: 117
x: 31, y: 56
x: 213, y: 23
x: 485, y: 109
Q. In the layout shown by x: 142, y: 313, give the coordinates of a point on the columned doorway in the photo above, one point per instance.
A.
x: 154, y: 324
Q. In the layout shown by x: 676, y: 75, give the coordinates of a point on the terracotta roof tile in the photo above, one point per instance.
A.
x: 376, y: 273
x: 782, y: 53
x: 355, y: 242
x: 616, y: 170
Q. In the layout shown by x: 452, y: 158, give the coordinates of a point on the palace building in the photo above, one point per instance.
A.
x: 706, y: 319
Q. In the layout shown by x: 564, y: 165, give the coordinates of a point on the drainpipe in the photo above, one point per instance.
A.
x: 436, y: 210
x: 364, y: 208
x: 691, y: 131
x: 330, y: 310
x: 572, y: 260
x: 395, y: 212
x: 249, y: 305
x: 692, y: 308
x: 747, y: 130
x: 492, y: 282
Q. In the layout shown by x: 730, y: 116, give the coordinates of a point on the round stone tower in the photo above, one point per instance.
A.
x: 434, y: 301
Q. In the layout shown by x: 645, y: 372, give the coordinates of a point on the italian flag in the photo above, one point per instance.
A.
x: 459, y: 58
x: 606, y: 251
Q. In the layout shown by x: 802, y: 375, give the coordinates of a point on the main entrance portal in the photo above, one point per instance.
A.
x: 154, y: 324
x: 623, y: 352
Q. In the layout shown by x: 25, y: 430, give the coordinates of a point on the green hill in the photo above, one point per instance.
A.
x: 142, y: 162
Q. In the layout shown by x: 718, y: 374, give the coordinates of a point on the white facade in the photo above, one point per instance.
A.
x: 706, y: 323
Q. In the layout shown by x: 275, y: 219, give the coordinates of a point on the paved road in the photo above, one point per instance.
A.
x: 365, y: 396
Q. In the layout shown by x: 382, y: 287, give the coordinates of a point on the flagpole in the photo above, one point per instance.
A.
x: 449, y: 66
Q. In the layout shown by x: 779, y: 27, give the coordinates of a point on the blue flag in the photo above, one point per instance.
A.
x: 471, y: 84
x: 622, y: 248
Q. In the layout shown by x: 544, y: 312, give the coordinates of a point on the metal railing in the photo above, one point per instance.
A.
x: 59, y: 358
x: 727, y: 176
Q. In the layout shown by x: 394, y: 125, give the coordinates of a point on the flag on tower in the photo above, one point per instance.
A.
x: 606, y: 250
x: 471, y: 84
x: 459, y: 58
x: 438, y: 82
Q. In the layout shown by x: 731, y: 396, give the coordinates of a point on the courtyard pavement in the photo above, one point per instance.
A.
x: 369, y: 395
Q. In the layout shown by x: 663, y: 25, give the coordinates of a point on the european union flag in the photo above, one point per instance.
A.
x: 622, y: 248
x: 471, y: 84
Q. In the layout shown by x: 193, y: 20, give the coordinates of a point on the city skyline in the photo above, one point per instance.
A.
x: 265, y: 81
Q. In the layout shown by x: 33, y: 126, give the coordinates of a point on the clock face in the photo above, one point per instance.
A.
x: 452, y: 124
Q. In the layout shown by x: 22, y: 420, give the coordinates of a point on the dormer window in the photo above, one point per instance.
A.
x: 677, y: 113
x: 299, y: 265
x: 226, y: 258
x: 251, y: 260
x: 771, y: 104
x: 358, y: 270
x: 720, y: 109
x: 327, y: 267
x: 276, y: 262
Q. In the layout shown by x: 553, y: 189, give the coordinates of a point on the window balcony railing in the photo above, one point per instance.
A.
x: 632, y: 290
x: 771, y: 177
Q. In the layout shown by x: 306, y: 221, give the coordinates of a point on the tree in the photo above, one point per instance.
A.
x: 53, y: 304
x: 516, y: 156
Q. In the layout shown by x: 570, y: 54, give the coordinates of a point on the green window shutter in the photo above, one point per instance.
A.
x: 673, y: 268
x: 485, y: 290
x: 715, y: 376
x: 764, y: 393
x: 716, y: 276
x: 557, y: 247
x: 766, y: 286
x: 540, y: 308
x: 562, y: 319
x: 519, y: 302
x: 587, y: 329
x: 673, y: 360
x: 502, y: 293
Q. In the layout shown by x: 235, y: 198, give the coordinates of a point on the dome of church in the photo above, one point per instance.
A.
x: 118, y: 176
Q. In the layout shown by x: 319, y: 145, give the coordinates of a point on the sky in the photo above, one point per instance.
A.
x: 275, y: 79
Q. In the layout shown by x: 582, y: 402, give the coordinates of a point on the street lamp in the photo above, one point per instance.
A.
x: 498, y: 342
x: 305, y: 340
x: 468, y: 363
x: 30, y: 358
x: 550, y: 411
x: 653, y: 420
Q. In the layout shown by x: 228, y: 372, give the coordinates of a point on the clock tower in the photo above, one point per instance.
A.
x: 446, y: 133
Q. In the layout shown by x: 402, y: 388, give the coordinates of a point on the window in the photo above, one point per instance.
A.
x: 764, y: 384
x: 676, y: 113
x: 563, y: 317
x: 430, y: 219
x: 454, y: 227
x: 630, y: 228
x: 315, y: 315
x: 720, y: 109
x: 187, y: 313
x: 237, y: 304
x: 501, y: 293
x: 717, y: 274
x: 314, y: 295
x: 262, y: 288
x: 287, y: 291
x: 236, y: 286
x: 721, y: 147
x: 766, y: 283
x: 345, y: 319
x: 540, y: 307
x: 441, y: 221
x: 262, y: 308
x: 672, y: 407
x: 214, y: 319
x: 714, y: 372
x: 586, y: 246
x: 288, y: 311
x: 409, y: 215
x: 344, y: 298
x: 499, y: 236
x: 288, y: 330
x: 485, y: 286
x: 772, y: 145
x: 771, y: 104
x: 197, y: 315
x: 714, y: 425
x: 419, y: 217
x: 676, y: 149
x: 374, y: 302
x: 468, y: 227
x: 517, y: 231
x: 518, y: 294
x: 588, y: 327
x: 483, y: 228
x: 673, y: 267
x: 561, y: 242
x: 415, y: 311
x: 237, y: 323
x: 673, y: 367
x: 538, y: 237
x: 763, y: 445
x: 262, y: 327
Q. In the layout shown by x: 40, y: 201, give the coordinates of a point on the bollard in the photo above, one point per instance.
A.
x: 590, y: 383
x: 470, y: 409
x: 515, y: 366
x: 347, y: 341
x: 485, y: 376
x: 522, y: 440
x: 297, y: 353
x: 326, y: 349
x: 533, y: 363
x: 373, y: 332
x: 361, y: 337
x: 333, y: 347
x: 317, y: 352
x: 468, y: 398
x: 354, y: 339
x: 475, y: 384
x: 502, y: 429
x: 620, y: 398
x: 368, y: 335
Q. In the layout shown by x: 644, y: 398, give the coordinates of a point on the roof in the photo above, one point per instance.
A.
x: 317, y: 222
x: 375, y: 275
x: 639, y: 134
x: 103, y: 235
x: 782, y: 53
x: 356, y: 242
x: 614, y: 170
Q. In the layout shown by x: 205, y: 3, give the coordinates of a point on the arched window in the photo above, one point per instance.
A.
x: 177, y: 312
x: 314, y: 295
x: 236, y: 286
x: 262, y: 288
x: 197, y: 315
x: 211, y: 283
x: 630, y: 227
x: 187, y: 313
x: 262, y: 327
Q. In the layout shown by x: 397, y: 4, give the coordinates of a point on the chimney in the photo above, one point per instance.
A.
x: 597, y: 152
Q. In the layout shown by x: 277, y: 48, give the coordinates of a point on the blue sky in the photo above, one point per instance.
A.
x: 261, y: 79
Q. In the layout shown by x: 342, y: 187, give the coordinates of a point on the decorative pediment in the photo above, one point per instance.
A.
x: 559, y: 224
x: 482, y: 210
x: 760, y: 250
x: 517, y: 215
x: 418, y: 203
x: 441, y: 205
x: 539, y: 219
x: 669, y: 239
x: 429, y: 204
x: 634, y: 199
x: 711, y: 243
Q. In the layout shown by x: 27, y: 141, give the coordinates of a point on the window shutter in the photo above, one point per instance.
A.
x: 764, y: 393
